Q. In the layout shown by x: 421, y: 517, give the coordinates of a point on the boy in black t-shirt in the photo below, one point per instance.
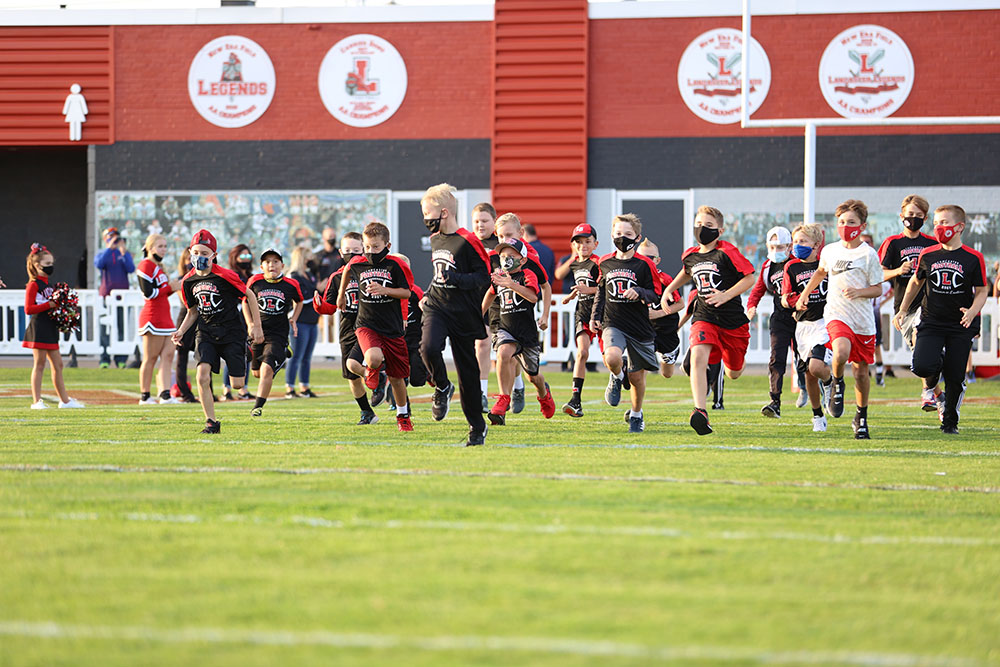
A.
x: 720, y: 330
x: 667, y: 342
x: 276, y: 294
x: 582, y: 268
x: 516, y: 339
x: 414, y: 321
x: 627, y: 284
x: 212, y: 296
x: 953, y: 280
x: 484, y: 218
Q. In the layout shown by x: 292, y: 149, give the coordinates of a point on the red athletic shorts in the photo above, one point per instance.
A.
x: 862, y: 347
x: 728, y: 345
x: 397, y: 357
x: 584, y: 329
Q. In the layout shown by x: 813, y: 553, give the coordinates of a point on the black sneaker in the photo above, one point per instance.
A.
x: 626, y: 385
x: 699, y: 422
x: 497, y: 420
x: 378, y: 393
x: 574, y: 408
x: 307, y: 393
x: 257, y: 412
x: 772, y: 410
x: 290, y: 393
x: 880, y: 379
x: 636, y: 424
x: 188, y: 398
x: 389, y: 398
x: 226, y: 396
x: 860, y: 426
x: 245, y: 397
x: 476, y: 437
x: 517, y: 401
x: 949, y: 430
x: 486, y: 403
x: 212, y: 426
x: 718, y: 406
x: 837, y: 399
x: 613, y: 393
x: 442, y: 401
x: 368, y: 417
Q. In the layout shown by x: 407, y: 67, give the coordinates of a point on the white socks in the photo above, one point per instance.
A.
x: 518, y: 382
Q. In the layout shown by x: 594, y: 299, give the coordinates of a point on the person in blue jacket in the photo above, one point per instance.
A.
x: 115, y: 264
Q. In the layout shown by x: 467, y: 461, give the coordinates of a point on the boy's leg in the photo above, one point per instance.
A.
x: 205, y: 390
x: 266, y: 375
x: 699, y: 379
x: 638, y: 390
x: 434, y: 331
x: 37, y: 369
x: 613, y: 359
x: 399, y: 393
x: 506, y: 368
x: 463, y: 351
x: 780, y: 340
x: 841, y: 353
x: 166, y: 365
x: 958, y: 347
x: 582, y: 355
x: 56, y: 369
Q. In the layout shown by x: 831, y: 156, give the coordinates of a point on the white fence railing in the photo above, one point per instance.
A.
x: 120, y: 313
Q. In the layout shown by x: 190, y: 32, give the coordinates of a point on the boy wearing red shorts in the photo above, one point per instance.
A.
x: 854, y: 276
x: 582, y: 266
x: 720, y: 330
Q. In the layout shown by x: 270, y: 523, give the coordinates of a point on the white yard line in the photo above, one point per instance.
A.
x: 470, y: 643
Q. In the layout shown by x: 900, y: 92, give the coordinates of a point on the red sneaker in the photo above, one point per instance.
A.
x: 498, y: 412
x: 371, y: 378
x: 403, y: 423
x: 548, y: 405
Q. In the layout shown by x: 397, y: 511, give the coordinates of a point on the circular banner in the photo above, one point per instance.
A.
x: 362, y: 80
x: 866, y: 72
x: 708, y: 75
x: 231, y: 81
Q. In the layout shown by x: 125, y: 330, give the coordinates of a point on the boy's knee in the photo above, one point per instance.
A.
x: 667, y: 370
x: 256, y: 374
x: 733, y: 374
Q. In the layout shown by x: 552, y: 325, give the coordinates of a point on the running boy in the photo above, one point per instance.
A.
x: 952, y: 278
x: 276, y: 295
x: 720, y: 330
x: 384, y: 287
x: 667, y: 343
x: 627, y: 284
x: 414, y: 320
x: 212, y: 296
x: 582, y: 266
x: 484, y: 218
x: 516, y: 340
x: 855, y: 278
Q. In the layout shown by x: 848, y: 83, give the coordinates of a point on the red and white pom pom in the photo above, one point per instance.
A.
x: 65, y: 311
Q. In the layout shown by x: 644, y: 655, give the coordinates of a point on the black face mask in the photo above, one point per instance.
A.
x: 705, y: 235
x: 157, y: 258
x: 624, y: 243
x: 376, y: 257
x: 48, y: 269
x: 913, y: 223
x: 432, y: 224
x: 243, y: 265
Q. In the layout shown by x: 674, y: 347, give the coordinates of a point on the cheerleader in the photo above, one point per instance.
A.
x: 155, y: 323
x: 42, y: 335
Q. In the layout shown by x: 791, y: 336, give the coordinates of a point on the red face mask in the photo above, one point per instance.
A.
x: 848, y: 234
x: 945, y: 233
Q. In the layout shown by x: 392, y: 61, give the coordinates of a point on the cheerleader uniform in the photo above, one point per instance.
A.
x: 155, y: 285
x: 42, y: 332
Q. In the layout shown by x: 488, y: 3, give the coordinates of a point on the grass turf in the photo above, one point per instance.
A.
x: 128, y: 538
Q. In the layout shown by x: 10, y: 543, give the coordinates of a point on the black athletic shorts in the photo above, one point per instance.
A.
x: 347, y: 345
x: 270, y: 352
x: 207, y: 351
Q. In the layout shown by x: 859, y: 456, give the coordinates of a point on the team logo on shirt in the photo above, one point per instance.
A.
x: 380, y: 276
x: 819, y: 294
x: 618, y: 282
x: 706, y: 276
x: 947, y: 276
x: 362, y: 80
x: 512, y: 302
x: 271, y: 301
x: 866, y: 72
x: 443, y: 261
x: 208, y: 296
x: 910, y: 253
x: 351, y: 296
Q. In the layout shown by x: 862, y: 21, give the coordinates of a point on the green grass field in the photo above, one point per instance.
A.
x: 126, y: 538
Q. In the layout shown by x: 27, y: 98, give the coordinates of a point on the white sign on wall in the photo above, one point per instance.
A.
x: 362, y: 80
x: 866, y: 72
x: 231, y: 81
x: 708, y: 75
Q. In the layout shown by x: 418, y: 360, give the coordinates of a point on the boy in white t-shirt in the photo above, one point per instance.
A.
x: 855, y: 278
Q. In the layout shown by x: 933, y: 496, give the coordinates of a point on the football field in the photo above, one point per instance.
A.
x: 299, y: 538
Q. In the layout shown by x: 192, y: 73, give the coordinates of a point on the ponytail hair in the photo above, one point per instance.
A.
x: 35, y: 255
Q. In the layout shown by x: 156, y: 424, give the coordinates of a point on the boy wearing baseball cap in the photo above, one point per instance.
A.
x: 212, y: 296
x: 516, y: 339
x: 276, y: 295
x: 582, y: 268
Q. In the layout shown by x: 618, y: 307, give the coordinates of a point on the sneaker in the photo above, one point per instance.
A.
x: 939, y: 405
x: 860, y: 426
x: 290, y: 393
x: 772, y: 410
x: 442, y: 401
x: 307, y: 393
x: 104, y: 364
x: 188, y: 398
x: 71, y: 403
x: 378, y: 393
x: 241, y: 396
x: 546, y: 404
x: 613, y: 394
x: 819, y: 424
x: 574, y: 408
x: 486, y: 403
x: 628, y: 414
x: 699, y: 422
x: 636, y: 424
x: 121, y: 364
x: 880, y: 379
x: 39, y: 405
x: 151, y: 400
x: 389, y: 398
x: 368, y: 417
x: 803, y: 398
x: 169, y: 401
x: 970, y: 377
x: 212, y: 426
x: 477, y: 437
x: 949, y: 430
x: 626, y: 383
x: 889, y: 373
x: 717, y: 405
x: 824, y: 395
x: 257, y: 412
x: 373, y: 377
x: 498, y: 412
x: 403, y: 422
x: 517, y: 400
x: 836, y: 402
x: 927, y: 402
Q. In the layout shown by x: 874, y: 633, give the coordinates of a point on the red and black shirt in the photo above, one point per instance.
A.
x: 618, y: 276
x: 531, y: 264
x: 517, y: 314
x: 771, y: 281
x: 275, y: 300
x: 893, y: 252
x: 328, y: 306
x: 414, y: 319
x: 668, y: 322
x: 382, y: 314
x: 717, y: 270
x: 950, y: 281
x: 797, y: 275
x: 585, y: 273
x: 217, y: 296
x: 461, y: 273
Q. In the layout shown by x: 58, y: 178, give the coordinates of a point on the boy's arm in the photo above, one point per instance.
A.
x: 563, y: 269
x: 543, y: 321
x: 531, y: 295
x: 970, y: 313
x: 488, y: 299
x: 810, y: 287
x: 254, y: 328
x: 718, y: 298
x: 597, y: 313
x: 913, y: 288
x: 294, y: 318
x: 668, y: 292
x: 345, y: 277
x: 189, y: 319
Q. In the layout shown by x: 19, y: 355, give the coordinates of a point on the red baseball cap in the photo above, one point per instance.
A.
x: 204, y: 237
x: 583, y: 229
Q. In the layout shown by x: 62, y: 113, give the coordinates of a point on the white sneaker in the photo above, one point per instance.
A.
x: 819, y: 424
x: 39, y: 405
x: 149, y: 401
x: 167, y: 401
x: 800, y: 402
x: 71, y: 403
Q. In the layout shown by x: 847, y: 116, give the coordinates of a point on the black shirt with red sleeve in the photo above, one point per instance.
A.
x: 461, y: 273
x: 771, y: 281
x: 950, y: 281
x: 893, y: 252
x: 668, y: 322
x: 329, y: 304
x: 414, y: 319
x: 717, y: 270
x: 217, y: 296
x: 530, y: 264
x: 585, y: 273
x: 612, y: 309
x: 275, y: 300
x: 517, y: 314
x: 797, y: 275
x: 382, y: 314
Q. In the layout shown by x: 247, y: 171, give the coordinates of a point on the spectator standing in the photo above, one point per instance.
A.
x: 303, y: 342
x: 115, y: 264
x: 329, y: 258
x: 546, y: 257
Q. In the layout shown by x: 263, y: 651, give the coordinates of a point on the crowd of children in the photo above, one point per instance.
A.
x: 488, y: 283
